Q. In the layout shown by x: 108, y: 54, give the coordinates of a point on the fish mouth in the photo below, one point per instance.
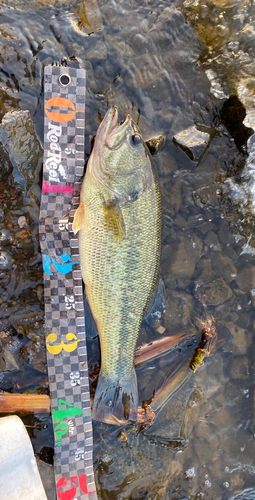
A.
x: 110, y: 132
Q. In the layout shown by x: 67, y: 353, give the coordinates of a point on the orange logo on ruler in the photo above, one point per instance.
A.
x: 64, y: 103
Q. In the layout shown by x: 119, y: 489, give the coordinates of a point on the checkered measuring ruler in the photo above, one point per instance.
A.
x: 64, y: 131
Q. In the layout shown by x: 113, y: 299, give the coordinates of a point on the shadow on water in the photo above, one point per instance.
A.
x: 183, y: 69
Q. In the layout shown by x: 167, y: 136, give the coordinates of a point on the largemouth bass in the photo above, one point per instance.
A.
x: 119, y: 221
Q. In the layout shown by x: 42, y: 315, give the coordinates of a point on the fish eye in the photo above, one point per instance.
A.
x: 135, y: 139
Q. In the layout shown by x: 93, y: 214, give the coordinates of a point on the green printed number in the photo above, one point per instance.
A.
x: 59, y: 415
x: 62, y: 413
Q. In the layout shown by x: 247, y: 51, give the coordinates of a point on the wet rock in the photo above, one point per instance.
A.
x: 89, y: 17
x: 22, y: 221
x: 178, y: 310
x: 238, y: 345
x: 186, y: 252
x: 240, y: 368
x: 34, y: 355
x: 212, y: 241
x: 20, y: 141
x: 9, y: 354
x: 246, y: 278
x: 224, y: 266
x: 192, y: 141
x: 215, y: 290
x: 5, y: 261
x: 155, y: 144
x: 168, y: 15
x: 205, y: 227
x: 224, y: 234
x: 180, y: 221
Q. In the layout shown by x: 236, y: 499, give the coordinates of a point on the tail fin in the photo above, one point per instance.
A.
x: 116, y: 401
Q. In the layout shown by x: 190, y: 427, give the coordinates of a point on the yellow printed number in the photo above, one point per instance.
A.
x: 56, y: 349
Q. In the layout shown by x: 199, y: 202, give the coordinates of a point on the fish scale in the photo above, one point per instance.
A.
x: 120, y: 245
x: 130, y: 279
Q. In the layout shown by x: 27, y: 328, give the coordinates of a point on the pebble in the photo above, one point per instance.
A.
x: 215, y: 290
x: 178, y: 310
x: 224, y: 235
x: 211, y: 240
x: 224, y: 266
x: 22, y: 221
x: 5, y: 261
x: 186, y: 252
x: 239, y: 338
x: 245, y: 278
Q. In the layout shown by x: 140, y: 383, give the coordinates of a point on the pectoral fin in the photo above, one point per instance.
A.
x: 78, y: 218
x: 114, y: 220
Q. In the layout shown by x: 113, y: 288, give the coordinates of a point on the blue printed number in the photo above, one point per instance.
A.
x: 61, y: 268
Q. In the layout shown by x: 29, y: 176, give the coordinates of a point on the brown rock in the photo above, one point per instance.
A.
x: 33, y: 353
x: 185, y: 254
x: 246, y: 278
x: 178, y: 310
x: 224, y: 266
x: 217, y: 292
x: 239, y: 341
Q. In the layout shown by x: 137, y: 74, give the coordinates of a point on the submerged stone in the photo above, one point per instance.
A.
x: 186, y: 252
x: 215, y: 292
x: 155, y: 144
x: 246, y: 278
x: 224, y: 266
x: 20, y: 142
x: 178, y: 310
x: 239, y: 339
x: 192, y: 141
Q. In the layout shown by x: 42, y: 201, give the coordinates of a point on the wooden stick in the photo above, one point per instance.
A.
x: 162, y: 346
x: 24, y: 403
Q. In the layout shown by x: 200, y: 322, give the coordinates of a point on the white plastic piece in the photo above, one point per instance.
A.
x: 19, y: 476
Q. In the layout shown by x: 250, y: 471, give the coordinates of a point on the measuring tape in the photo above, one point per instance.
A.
x: 64, y: 136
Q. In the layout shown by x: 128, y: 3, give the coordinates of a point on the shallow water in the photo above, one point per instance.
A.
x: 167, y: 65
